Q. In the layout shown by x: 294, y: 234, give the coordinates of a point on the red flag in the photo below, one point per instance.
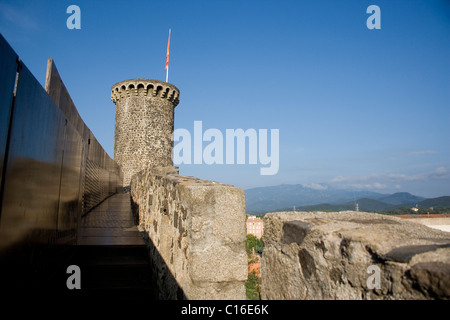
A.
x: 167, y: 56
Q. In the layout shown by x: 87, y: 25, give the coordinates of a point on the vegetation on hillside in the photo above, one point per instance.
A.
x: 371, y: 202
x: 406, y: 210
x: 253, y: 286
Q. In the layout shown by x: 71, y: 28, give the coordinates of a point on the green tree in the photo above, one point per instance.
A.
x: 251, y: 243
x: 405, y: 210
x: 253, y: 287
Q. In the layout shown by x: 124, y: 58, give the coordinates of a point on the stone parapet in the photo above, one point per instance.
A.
x: 195, y: 230
x: 340, y: 255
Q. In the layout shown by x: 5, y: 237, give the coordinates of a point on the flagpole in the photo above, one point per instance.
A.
x: 167, y: 58
x: 167, y: 74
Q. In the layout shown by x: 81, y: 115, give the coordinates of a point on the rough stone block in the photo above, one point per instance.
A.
x: 218, y: 264
x: 330, y: 255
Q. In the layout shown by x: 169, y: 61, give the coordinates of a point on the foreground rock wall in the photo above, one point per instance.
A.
x: 352, y: 255
x: 195, y: 231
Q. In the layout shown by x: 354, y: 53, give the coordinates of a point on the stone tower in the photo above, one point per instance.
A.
x: 144, y: 124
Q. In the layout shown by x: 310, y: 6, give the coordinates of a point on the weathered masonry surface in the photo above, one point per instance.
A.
x: 195, y: 231
x: 144, y: 124
x: 326, y: 255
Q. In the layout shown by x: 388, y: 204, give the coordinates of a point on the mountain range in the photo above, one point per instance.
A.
x: 284, y: 197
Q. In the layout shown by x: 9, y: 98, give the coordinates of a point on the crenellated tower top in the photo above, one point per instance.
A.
x: 145, y: 87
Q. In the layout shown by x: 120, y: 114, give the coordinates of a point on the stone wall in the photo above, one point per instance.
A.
x: 195, y: 231
x: 144, y: 124
x: 336, y: 255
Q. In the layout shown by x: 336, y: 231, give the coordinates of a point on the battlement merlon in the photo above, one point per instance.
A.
x: 145, y: 87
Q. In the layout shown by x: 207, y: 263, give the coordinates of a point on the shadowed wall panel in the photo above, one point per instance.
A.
x: 33, y: 172
x: 45, y: 148
x: 8, y: 69
x: 101, y: 176
x: 70, y: 206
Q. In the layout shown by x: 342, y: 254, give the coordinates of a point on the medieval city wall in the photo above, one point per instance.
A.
x: 195, y: 231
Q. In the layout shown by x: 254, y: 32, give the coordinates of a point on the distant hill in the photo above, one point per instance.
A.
x: 285, y: 197
x: 400, y: 198
x: 440, y: 202
x: 365, y: 204
x: 320, y: 207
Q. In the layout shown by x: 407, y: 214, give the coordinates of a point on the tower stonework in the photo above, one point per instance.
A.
x: 144, y: 124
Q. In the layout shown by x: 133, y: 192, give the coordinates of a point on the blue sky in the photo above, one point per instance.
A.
x: 355, y: 108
